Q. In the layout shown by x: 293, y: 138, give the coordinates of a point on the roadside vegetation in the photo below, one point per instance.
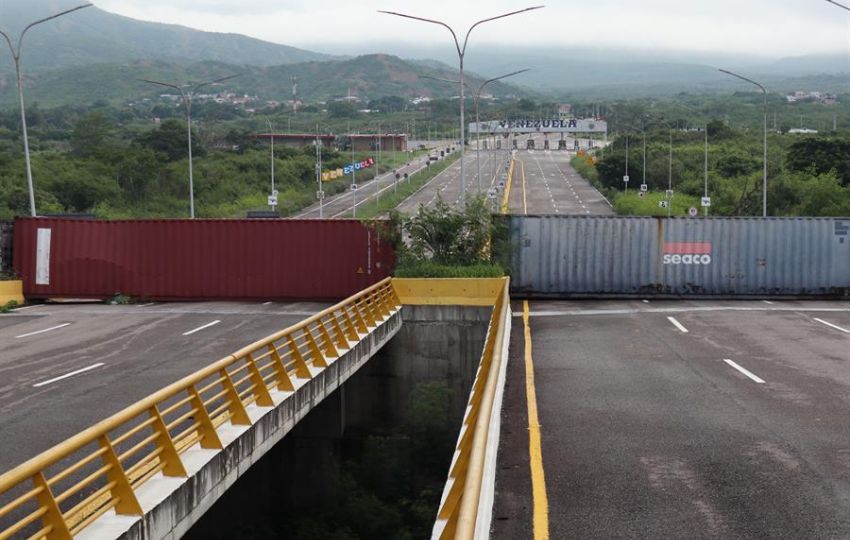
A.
x: 808, y: 175
x: 446, y: 242
x: 403, y: 189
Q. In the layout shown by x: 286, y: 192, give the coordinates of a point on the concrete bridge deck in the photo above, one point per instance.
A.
x: 677, y: 419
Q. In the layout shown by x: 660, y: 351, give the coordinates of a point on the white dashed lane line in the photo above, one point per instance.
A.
x: 67, y: 375
x: 678, y: 325
x: 755, y: 378
x: 835, y: 326
x: 198, y: 329
x: 43, y: 331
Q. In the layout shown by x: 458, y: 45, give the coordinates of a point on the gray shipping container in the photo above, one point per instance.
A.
x: 558, y: 256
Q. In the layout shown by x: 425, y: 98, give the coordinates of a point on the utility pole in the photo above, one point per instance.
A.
x: 16, y: 56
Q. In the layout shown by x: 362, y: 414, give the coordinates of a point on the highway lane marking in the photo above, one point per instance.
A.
x: 524, y: 198
x: 67, y: 375
x: 198, y: 329
x: 768, y: 302
x: 27, y: 307
x: 43, y: 331
x: 267, y: 303
x: 746, y: 372
x: 632, y: 311
x: 645, y: 301
x: 846, y: 331
x: 678, y: 325
x: 538, y: 477
x: 146, y: 305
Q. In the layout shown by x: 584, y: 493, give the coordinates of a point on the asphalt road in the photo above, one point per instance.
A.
x: 544, y: 182
x: 142, y: 348
x: 649, y: 431
x: 447, y: 184
x: 344, y: 204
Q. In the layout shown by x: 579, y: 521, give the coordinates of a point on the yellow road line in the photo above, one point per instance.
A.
x: 506, y: 200
x: 538, y: 478
x: 524, y: 200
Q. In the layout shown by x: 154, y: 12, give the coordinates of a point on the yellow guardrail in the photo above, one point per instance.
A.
x: 459, y: 509
x: 65, y: 489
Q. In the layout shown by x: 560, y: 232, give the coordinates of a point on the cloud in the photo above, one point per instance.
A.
x: 765, y: 27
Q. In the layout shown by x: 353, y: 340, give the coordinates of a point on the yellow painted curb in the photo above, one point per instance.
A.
x: 448, y: 291
x: 11, y: 290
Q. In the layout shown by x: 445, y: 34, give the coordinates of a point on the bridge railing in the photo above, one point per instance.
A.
x: 105, y: 468
x: 464, y: 498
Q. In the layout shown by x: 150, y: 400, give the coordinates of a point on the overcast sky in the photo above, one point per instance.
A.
x: 770, y: 28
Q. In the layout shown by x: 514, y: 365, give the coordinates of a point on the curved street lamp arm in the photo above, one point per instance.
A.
x: 216, y: 81
x: 169, y: 85
x: 727, y: 72
x: 482, y: 21
x: 500, y: 77
x: 11, y: 47
x: 432, y: 21
x: 842, y: 6
x: 67, y: 11
x: 453, y: 81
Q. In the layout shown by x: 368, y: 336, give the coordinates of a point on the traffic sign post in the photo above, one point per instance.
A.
x: 693, y: 212
x: 320, y: 195
x: 272, y: 200
x: 641, y: 194
x: 705, y: 202
x: 663, y: 204
x: 644, y: 187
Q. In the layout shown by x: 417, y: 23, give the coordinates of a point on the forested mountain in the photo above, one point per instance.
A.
x: 93, y: 36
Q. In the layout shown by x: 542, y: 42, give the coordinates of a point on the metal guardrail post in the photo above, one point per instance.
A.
x: 238, y: 414
x: 173, y: 464
x: 53, y: 518
x: 341, y: 339
x: 261, y: 391
x: 284, y: 383
x: 301, y: 368
x: 209, y: 436
x: 350, y: 330
x: 128, y: 504
x: 330, y: 349
x: 315, y: 352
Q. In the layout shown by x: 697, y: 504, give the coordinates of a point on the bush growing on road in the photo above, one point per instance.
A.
x: 443, y: 241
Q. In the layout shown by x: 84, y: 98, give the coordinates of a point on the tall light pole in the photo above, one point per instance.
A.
x: 478, y: 119
x: 187, y: 100
x: 271, y: 134
x: 16, y: 56
x: 764, y: 94
x: 461, y: 52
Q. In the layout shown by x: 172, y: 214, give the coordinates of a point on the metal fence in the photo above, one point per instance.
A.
x: 64, y: 490
x: 559, y: 256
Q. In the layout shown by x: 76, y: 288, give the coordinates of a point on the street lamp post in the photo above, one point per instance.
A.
x: 187, y: 100
x: 461, y: 52
x: 478, y: 120
x: 764, y: 94
x: 271, y: 134
x: 477, y: 100
x: 16, y: 56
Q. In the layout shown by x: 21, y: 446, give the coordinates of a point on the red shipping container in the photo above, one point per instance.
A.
x: 198, y: 259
